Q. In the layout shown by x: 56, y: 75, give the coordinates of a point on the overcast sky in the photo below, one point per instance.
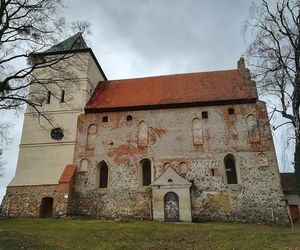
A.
x: 137, y: 38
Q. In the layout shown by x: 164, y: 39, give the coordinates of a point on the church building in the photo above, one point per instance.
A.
x: 184, y: 147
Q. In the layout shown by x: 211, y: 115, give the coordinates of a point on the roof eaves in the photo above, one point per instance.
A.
x: 171, y: 105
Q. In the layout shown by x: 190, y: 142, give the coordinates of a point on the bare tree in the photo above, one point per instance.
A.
x: 274, y: 56
x: 4, y: 141
x: 27, y: 29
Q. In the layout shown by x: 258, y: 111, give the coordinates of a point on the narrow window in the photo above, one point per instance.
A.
x: 212, y: 171
x: 230, y: 170
x: 231, y: 111
x: 49, y: 97
x: 129, y: 118
x: 145, y: 172
x: 105, y: 119
x: 103, y: 174
x: 204, y: 115
x: 62, y: 98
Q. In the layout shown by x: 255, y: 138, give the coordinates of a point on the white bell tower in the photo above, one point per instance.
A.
x: 64, y: 89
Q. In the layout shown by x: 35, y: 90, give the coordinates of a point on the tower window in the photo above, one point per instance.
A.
x: 62, y: 98
x: 204, y: 115
x: 129, y: 118
x: 49, y: 97
x: 231, y: 111
x: 105, y: 119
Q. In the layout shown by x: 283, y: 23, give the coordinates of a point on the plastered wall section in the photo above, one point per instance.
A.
x: 170, y: 141
x: 41, y: 159
x: 184, y: 203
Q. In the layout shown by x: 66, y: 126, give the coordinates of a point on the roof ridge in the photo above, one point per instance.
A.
x: 71, y: 43
x: 169, y: 75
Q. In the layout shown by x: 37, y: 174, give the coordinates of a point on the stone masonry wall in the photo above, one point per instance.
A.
x: 25, y: 201
x: 170, y: 140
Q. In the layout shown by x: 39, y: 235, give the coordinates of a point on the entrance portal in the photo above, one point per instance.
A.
x: 171, y: 207
x: 46, y: 208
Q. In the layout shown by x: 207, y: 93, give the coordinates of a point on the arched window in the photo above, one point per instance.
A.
x: 145, y: 175
x: 230, y: 169
x: 84, y: 163
x: 62, y: 98
x: 102, y: 174
x: 49, y: 97
x: 166, y: 165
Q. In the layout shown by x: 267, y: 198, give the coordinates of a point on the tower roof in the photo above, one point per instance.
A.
x: 75, y: 42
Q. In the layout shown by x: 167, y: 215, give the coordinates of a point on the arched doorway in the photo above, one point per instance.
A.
x: 171, y: 207
x: 46, y: 208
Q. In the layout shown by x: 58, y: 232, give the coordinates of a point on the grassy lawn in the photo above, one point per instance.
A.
x: 98, y: 234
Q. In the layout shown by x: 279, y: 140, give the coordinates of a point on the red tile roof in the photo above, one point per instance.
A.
x: 169, y: 90
x: 67, y: 174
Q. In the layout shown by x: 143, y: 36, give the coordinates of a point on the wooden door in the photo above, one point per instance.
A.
x: 46, y: 208
x: 294, y: 210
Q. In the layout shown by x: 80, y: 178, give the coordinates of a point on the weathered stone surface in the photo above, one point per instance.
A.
x: 114, y: 203
x: 171, y: 128
x: 257, y: 197
x: 26, y: 200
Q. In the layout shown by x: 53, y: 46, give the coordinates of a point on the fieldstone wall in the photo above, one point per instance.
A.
x: 25, y: 201
x: 169, y: 140
x: 114, y: 203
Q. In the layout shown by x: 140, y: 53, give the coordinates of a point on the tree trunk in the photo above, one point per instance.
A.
x: 297, y: 161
